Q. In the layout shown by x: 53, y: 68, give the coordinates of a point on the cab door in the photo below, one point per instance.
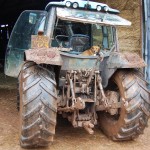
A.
x: 20, y: 40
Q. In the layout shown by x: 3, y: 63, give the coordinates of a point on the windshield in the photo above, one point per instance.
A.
x: 82, y: 29
x: 81, y: 36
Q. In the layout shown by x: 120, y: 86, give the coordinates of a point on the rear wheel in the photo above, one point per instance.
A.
x: 38, y: 106
x: 134, y: 112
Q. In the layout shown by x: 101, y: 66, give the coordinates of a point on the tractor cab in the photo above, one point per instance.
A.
x: 78, y: 25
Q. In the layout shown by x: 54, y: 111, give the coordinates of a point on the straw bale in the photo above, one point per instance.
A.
x: 129, y: 37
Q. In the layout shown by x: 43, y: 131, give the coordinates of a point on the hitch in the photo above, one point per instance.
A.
x: 88, y: 126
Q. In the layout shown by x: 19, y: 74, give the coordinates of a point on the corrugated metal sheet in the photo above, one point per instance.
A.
x: 146, y: 37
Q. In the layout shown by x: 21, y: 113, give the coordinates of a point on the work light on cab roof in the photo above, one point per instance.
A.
x: 83, y: 4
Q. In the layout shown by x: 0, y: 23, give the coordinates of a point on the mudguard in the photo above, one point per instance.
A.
x: 117, y: 60
x: 125, y: 60
x: 40, y: 52
x: 44, y: 56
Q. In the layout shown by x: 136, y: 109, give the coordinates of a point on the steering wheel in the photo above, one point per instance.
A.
x: 62, y: 40
x: 79, y: 42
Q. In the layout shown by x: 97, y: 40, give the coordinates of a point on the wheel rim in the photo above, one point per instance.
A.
x: 132, y: 119
x: 115, y: 117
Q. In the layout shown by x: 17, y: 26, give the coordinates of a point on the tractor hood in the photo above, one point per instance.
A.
x: 91, y: 17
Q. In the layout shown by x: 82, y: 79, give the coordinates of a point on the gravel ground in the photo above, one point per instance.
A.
x: 67, y: 138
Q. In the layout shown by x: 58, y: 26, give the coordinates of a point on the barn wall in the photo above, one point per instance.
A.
x: 129, y: 37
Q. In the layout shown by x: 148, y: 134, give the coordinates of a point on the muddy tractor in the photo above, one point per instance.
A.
x: 46, y: 52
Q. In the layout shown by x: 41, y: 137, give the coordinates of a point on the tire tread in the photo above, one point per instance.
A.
x: 132, y: 126
x: 38, y: 106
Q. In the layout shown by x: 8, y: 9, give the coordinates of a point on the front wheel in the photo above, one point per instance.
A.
x: 133, y: 115
x: 38, y: 106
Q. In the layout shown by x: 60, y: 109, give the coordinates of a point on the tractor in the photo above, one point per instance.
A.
x: 105, y: 89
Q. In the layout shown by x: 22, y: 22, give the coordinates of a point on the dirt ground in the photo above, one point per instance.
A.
x: 67, y: 138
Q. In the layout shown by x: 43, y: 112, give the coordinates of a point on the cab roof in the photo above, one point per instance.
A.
x: 83, y: 4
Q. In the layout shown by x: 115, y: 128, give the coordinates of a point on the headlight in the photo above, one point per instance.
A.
x: 106, y: 8
x: 98, y: 8
x: 75, y: 5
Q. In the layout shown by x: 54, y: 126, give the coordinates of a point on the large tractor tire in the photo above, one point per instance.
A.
x: 135, y: 110
x: 38, y: 106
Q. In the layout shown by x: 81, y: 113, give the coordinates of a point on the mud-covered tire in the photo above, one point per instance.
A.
x: 134, y: 112
x: 38, y: 105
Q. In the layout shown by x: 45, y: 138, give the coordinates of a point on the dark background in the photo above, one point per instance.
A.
x: 10, y: 9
